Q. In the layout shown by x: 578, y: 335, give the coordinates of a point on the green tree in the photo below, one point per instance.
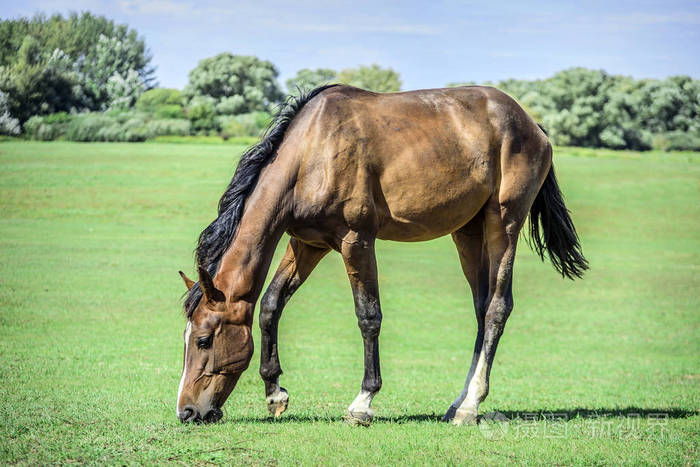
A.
x: 152, y: 99
x: 306, y: 79
x: 35, y: 84
x: 373, y: 78
x: 124, y: 91
x: 8, y: 124
x: 235, y: 83
x: 50, y: 64
x: 76, y: 35
x: 111, y: 59
x: 592, y: 108
x: 162, y: 102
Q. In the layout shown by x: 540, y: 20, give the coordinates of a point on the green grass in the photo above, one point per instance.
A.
x: 92, y: 236
x: 235, y: 140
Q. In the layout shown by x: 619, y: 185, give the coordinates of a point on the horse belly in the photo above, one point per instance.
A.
x: 438, y: 202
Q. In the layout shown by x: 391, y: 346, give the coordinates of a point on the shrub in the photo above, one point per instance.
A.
x: 122, y: 116
x: 151, y: 100
x: 86, y: 127
x: 201, y: 113
x: 250, y: 124
x: 108, y: 126
x: 37, y: 128
x: 113, y: 132
x: 677, y: 141
x: 31, y: 126
x: 48, y: 132
x: 135, y: 130
x: 170, y: 111
x: 60, y: 117
x: 168, y: 127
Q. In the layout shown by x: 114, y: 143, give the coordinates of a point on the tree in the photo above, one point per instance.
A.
x: 162, y: 102
x: 55, y: 64
x: 153, y: 99
x: 8, y: 124
x: 124, y: 91
x: 307, y: 79
x: 112, y: 59
x: 373, y: 78
x: 235, y: 83
x: 76, y: 35
x: 35, y: 84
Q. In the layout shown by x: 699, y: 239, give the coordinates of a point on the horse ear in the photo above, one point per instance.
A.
x: 211, y: 293
x: 188, y: 282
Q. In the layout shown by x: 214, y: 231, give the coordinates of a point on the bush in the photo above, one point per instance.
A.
x: 168, y: 127
x: 163, y: 103
x: 43, y: 128
x: 135, y: 130
x: 201, y: 114
x: 60, y: 117
x: 108, y: 126
x: 250, y: 124
x: 170, y: 111
x: 31, y: 126
x: 123, y: 116
x: 48, y: 132
x: 111, y: 132
x: 151, y: 101
x: 86, y: 127
x: 676, y: 141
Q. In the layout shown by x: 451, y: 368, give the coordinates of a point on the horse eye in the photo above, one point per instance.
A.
x: 204, y: 342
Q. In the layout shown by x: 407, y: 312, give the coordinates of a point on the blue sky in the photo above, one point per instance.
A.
x: 430, y: 43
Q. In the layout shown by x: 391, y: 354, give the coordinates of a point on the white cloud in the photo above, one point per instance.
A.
x: 647, y: 19
x: 411, y: 29
x: 158, y: 7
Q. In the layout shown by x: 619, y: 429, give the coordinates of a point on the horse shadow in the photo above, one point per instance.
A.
x: 512, y: 415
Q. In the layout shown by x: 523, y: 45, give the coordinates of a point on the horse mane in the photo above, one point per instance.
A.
x: 218, y: 236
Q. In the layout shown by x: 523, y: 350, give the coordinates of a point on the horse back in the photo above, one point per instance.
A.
x: 411, y: 166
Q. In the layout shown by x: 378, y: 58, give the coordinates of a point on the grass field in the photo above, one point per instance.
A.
x: 600, y: 371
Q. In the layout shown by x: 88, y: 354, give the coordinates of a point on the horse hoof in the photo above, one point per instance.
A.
x: 277, y: 403
x: 450, y: 414
x: 359, y: 418
x: 464, y: 417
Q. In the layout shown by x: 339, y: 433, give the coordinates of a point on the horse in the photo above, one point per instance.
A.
x: 340, y: 167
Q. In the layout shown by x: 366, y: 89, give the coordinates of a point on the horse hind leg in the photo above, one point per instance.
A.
x: 473, y: 257
x: 503, y: 220
x: 296, y: 265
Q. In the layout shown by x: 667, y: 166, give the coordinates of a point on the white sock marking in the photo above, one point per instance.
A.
x: 362, y: 402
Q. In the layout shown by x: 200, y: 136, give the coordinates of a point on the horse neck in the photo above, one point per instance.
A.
x: 243, y: 268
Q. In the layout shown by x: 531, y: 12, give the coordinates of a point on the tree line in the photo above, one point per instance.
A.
x: 85, y: 78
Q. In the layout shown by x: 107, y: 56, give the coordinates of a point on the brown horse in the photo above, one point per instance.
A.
x: 341, y: 167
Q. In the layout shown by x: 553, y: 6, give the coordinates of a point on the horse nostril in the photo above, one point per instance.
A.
x: 213, y: 416
x: 188, y: 414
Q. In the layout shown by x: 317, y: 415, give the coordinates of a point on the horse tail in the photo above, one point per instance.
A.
x: 558, y: 235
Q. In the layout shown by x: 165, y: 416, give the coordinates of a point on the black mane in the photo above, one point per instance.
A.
x: 216, y: 238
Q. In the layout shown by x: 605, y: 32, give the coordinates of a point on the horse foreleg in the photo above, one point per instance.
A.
x: 298, y: 262
x: 361, y: 266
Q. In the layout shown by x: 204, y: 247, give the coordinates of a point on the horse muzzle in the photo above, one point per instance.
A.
x: 190, y: 414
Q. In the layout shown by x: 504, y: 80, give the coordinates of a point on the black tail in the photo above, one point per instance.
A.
x: 558, y: 236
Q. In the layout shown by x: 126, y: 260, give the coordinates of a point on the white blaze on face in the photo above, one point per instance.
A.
x: 184, y: 369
